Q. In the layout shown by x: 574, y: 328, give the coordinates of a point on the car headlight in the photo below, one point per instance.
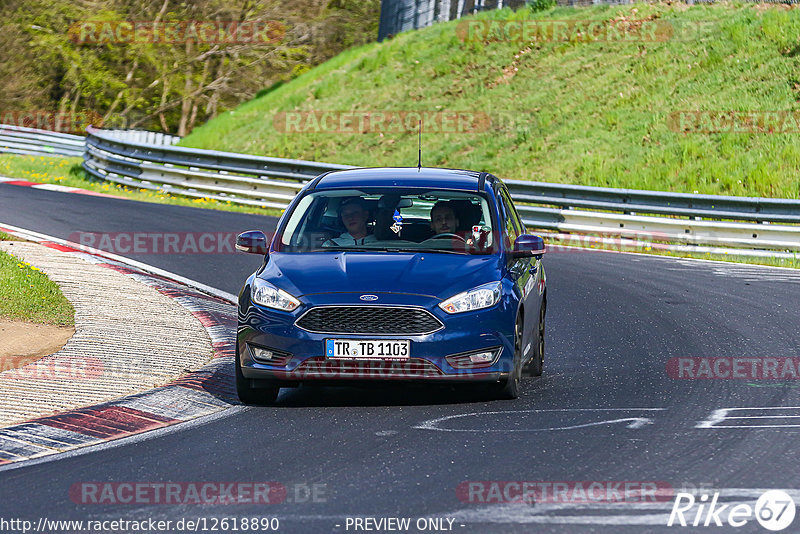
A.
x: 480, y: 297
x: 266, y: 294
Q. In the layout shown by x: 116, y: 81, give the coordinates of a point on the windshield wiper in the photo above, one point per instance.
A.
x: 443, y: 251
x: 385, y: 249
x: 414, y: 250
x: 339, y: 248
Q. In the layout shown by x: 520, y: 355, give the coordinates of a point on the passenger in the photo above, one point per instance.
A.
x: 354, y: 215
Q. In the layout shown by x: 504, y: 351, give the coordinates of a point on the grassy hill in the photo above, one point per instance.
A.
x: 595, y: 113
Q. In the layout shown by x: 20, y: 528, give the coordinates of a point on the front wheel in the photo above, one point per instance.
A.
x: 509, y: 389
x: 249, y: 394
x: 535, y: 366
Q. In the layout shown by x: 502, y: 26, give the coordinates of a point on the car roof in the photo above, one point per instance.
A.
x: 426, y: 177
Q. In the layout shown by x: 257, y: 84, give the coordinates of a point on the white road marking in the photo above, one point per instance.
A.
x: 747, y: 273
x: 721, y: 415
x: 633, y: 422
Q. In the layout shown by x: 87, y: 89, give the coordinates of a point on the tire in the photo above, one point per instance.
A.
x: 535, y: 366
x: 249, y: 394
x: 509, y: 389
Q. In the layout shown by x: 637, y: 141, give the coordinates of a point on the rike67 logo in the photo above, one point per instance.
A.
x: 774, y: 510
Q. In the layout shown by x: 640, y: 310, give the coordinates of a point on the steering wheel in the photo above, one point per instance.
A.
x: 437, y: 236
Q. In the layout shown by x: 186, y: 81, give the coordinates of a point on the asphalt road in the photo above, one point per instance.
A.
x: 67, y: 215
x: 605, y: 410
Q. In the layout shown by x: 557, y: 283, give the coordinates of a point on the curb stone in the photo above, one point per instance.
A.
x: 57, y: 187
x: 200, y: 393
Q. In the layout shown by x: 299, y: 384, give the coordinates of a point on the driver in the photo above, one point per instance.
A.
x: 444, y: 222
x: 354, y: 214
x: 443, y: 218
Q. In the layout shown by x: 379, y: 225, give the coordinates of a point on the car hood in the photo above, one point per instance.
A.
x: 430, y: 274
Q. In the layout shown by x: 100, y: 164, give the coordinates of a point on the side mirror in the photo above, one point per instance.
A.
x: 254, y: 242
x: 527, y: 246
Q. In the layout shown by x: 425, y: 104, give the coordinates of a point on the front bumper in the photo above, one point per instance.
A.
x: 303, y: 353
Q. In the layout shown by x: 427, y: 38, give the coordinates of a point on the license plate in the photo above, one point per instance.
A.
x: 367, y: 349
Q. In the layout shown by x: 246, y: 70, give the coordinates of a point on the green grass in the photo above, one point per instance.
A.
x: 68, y: 172
x: 573, y: 112
x: 5, y: 237
x: 27, y: 294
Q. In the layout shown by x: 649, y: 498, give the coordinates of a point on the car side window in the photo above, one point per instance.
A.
x: 510, y: 221
x: 512, y: 232
x: 513, y: 212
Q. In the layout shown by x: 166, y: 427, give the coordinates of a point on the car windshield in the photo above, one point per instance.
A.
x: 390, y: 220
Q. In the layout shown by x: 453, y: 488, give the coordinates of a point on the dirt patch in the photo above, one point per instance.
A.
x: 22, y: 343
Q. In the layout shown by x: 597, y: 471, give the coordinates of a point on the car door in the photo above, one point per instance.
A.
x: 523, y: 271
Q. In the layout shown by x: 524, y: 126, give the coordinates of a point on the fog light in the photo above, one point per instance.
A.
x: 270, y: 356
x: 481, y: 357
x: 262, y: 354
x: 473, y: 360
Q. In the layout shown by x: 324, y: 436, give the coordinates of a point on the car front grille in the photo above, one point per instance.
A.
x: 380, y: 320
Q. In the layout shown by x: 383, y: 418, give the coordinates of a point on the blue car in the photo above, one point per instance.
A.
x: 406, y: 274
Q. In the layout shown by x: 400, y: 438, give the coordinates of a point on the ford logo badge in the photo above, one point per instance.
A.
x: 369, y: 298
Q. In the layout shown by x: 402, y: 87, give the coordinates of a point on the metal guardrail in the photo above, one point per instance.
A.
x: 144, y: 137
x: 739, y: 222
x: 34, y: 142
x: 37, y: 142
x: 665, y: 229
x: 224, y: 176
x: 632, y: 201
x: 135, y: 160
